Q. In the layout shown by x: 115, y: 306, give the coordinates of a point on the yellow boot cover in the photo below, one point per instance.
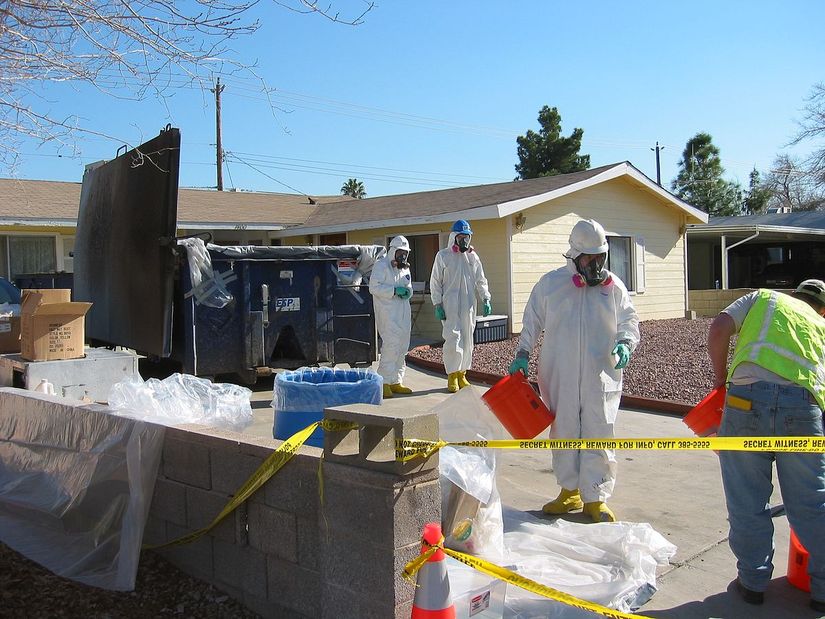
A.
x: 399, y: 388
x: 452, y: 382
x: 599, y: 512
x: 567, y: 501
x: 387, y: 391
x: 462, y: 380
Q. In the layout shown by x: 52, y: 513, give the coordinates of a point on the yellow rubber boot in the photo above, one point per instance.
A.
x: 452, y: 382
x: 387, y: 391
x: 599, y: 512
x: 567, y: 501
x: 462, y: 380
x: 399, y: 388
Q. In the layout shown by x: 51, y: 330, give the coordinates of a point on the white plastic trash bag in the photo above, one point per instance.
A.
x: 207, y: 288
x: 183, y: 398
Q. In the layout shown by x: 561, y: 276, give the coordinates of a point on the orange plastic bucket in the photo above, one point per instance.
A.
x: 518, y: 407
x: 798, y: 565
x: 705, y: 417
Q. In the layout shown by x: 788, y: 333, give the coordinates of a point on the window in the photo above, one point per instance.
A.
x: 626, y: 259
x: 339, y: 238
x: 27, y: 254
x: 423, y: 248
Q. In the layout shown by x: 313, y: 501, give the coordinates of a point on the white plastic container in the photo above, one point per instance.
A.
x: 44, y: 386
x: 475, y: 594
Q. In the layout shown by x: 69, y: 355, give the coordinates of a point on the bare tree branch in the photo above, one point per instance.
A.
x: 128, y: 49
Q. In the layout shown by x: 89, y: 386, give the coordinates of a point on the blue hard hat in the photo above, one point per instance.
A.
x: 462, y: 227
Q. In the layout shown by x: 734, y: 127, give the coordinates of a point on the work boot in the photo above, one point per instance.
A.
x: 462, y: 380
x: 599, y: 512
x: 399, y: 388
x: 452, y: 382
x: 567, y: 501
x: 387, y: 391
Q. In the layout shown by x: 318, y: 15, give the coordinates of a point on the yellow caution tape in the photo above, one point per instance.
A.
x: 407, y: 449
x: 268, y: 468
x: 496, y: 571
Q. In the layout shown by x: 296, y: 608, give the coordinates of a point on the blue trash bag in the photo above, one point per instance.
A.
x: 299, y: 397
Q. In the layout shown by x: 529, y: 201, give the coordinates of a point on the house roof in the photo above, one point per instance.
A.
x: 54, y: 203
x: 492, y: 201
x: 799, y: 223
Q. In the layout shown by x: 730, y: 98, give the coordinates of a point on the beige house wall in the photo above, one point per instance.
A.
x: 623, y: 210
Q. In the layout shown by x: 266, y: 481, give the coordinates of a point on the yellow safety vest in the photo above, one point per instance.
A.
x: 787, y: 337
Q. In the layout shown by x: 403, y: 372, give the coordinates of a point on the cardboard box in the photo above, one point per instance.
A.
x: 51, y: 326
x: 9, y: 333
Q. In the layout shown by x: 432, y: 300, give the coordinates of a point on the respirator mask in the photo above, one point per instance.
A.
x: 462, y: 241
x: 591, y: 268
x: 401, y: 259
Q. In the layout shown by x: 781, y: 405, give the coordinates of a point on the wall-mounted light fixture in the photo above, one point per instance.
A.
x: 520, y: 221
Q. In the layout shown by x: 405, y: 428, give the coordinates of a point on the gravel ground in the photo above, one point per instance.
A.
x: 28, y: 590
x: 671, y: 362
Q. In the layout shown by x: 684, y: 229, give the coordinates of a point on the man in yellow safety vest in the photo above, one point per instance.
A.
x: 776, y: 387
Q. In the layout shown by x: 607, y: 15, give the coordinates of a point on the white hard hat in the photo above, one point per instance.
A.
x: 813, y: 288
x: 587, y: 237
x: 400, y: 242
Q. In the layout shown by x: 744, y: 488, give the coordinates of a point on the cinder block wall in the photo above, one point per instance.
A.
x: 711, y: 302
x: 284, y: 553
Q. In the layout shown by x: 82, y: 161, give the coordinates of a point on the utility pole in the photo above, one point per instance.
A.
x: 658, y: 168
x: 218, y: 89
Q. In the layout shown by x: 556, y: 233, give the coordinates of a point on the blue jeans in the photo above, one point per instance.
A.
x: 776, y: 410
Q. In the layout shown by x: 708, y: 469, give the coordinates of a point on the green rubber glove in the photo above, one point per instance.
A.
x: 621, y: 350
x: 402, y: 291
x: 439, y: 312
x: 487, y: 309
x: 519, y: 364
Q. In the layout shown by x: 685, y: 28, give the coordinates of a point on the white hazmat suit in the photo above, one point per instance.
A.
x: 392, y: 313
x: 576, y: 374
x: 457, y: 280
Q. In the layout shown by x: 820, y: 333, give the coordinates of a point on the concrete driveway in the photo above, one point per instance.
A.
x: 678, y: 492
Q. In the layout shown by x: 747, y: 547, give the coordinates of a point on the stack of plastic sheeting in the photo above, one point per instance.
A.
x: 76, y: 484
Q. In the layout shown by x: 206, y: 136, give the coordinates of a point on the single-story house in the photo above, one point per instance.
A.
x: 775, y: 250
x: 521, y: 230
x: 38, y: 220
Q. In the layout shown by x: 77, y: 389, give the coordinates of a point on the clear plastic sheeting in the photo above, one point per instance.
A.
x: 206, y: 288
x: 183, y: 398
x: 471, y: 507
x: 610, y: 563
x: 76, y: 483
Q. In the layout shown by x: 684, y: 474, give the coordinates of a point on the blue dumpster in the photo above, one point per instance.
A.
x: 300, y: 397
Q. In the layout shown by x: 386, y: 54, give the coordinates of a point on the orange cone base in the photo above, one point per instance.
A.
x: 446, y: 613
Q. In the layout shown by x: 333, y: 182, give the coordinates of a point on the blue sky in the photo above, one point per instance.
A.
x: 431, y: 94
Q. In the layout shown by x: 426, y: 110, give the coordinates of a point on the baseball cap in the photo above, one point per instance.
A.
x: 814, y: 288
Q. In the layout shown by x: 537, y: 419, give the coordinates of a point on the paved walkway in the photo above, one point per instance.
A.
x: 678, y: 493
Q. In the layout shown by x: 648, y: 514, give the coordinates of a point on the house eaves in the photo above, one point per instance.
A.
x: 745, y: 229
x: 503, y: 209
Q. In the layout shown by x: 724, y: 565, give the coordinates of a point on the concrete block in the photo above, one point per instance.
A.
x: 273, y: 532
x: 186, y: 462
x: 294, y: 488
x: 194, y: 558
x: 203, y: 506
x: 154, y: 531
x: 373, y: 445
x: 272, y: 610
x: 294, y: 587
x: 231, y: 469
x: 169, y: 501
x: 308, y: 542
x: 348, y: 603
x: 241, y: 568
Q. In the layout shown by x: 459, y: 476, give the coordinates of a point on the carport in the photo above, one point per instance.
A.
x: 776, y: 250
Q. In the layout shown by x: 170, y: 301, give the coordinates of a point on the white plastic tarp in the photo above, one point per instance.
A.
x: 76, y: 483
x: 611, y: 564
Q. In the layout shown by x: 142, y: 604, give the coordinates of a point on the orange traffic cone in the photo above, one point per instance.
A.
x: 432, y: 592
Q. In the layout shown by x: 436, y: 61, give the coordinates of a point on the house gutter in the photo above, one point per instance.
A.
x: 725, y: 251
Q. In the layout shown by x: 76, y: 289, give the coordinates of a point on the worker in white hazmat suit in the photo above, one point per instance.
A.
x: 590, y: 330
x: 456, y: 282
x: 391, y: 288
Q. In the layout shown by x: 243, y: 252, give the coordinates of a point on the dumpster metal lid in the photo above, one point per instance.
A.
x: 124, y: 258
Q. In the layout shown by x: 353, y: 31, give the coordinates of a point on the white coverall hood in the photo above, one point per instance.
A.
x: 587, y: 237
